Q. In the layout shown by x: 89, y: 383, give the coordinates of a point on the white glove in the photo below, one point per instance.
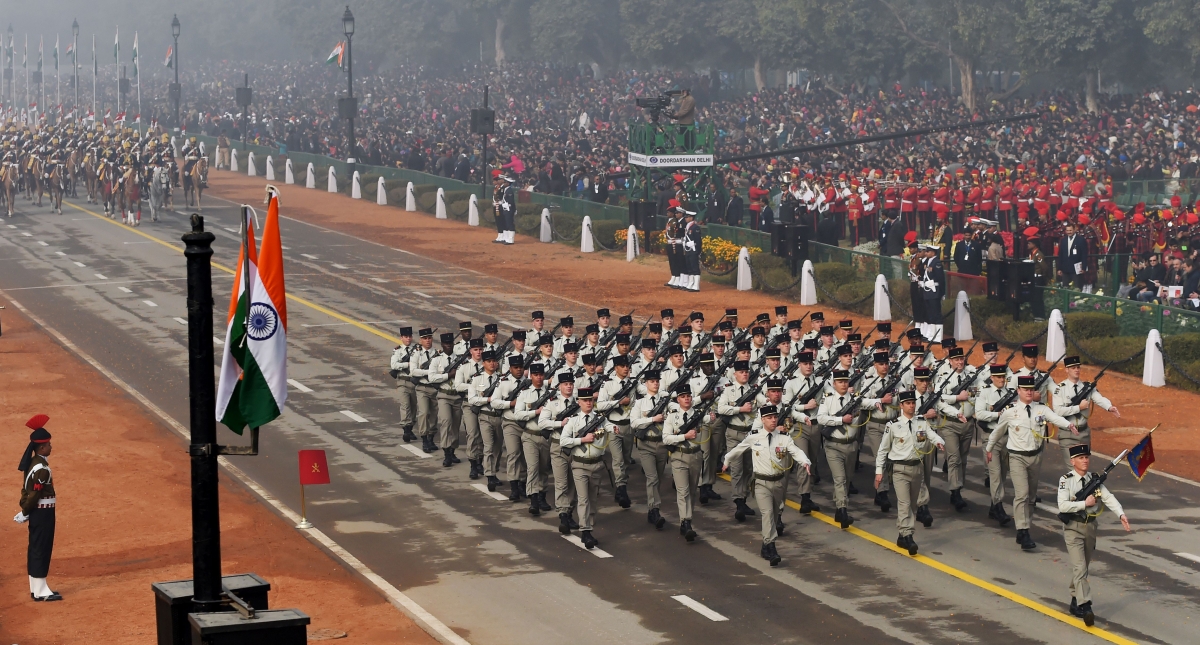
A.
x: 506, y: 206
x: 689, y: 245
x: 20, y: 518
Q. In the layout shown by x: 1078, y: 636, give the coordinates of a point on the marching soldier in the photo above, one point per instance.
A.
x: 535, y: 446
x: 807, y: 436
x: 427, y: 410
x: 686, y: 458
x: 986, y: 418
x: 449, y: 403
x: 773, y: 454
x: 555, y: 415
x: 905, y: 441
x: 1065, y: 394
x: 957, y: 430
x: 491, y: 434
x: 587, y: 435
x: 1026, y: 424
x: 873, y: 385
x: 1079, y: 526
x: 738, y: 417
x: 37, y: 508
x: 617, y: 412
x: 646, y: 421
x: 401, y: 356
x: 566, y: 328
x: 504, y: 399
x: 840, y: 436
x: 463, y: 378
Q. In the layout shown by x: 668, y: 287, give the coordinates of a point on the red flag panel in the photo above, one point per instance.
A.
x: 313, y: 468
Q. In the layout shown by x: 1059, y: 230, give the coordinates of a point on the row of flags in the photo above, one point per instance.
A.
x: 10, y: 52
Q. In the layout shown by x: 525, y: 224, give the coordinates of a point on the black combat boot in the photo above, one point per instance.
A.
x: 427, y: 443
x: 514, y: 495
x: 883, y: 501
x: 656, y: 518
x: 765, y: 552
x: 453, y: 457
x: 997, y: 513
x: 408, y: 434
x: 1089, y: 618
x: 589, y: 542
x: 1027, y: 543
x: 542, y: 503
x: 534, y: 509
x: 572, y: 523
x: 446, y: 463
x: 956, y: 499
x: 779, y: 525
x: 850, y: 489
x: 521, y: 489
x: 493, y: 483
x: 688, y: 533
x: 806, y: 504
x: 741, y: 510
x: 712, y: 494
x: 475, y: 469
x: 924, y: 516
x: 773, y: 555
x: 704, y: 495
x: 623, y: 497
x: 564, y: 524
x: 843, y: 517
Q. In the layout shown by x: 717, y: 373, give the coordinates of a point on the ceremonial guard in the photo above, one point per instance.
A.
x: 673, y: 234
x: 37, y: 508
x: 906, y: 440
x: 1079, y: 526
x: 586, y: 436
x: 933, y: 290
x: 693, y: 246
x: 401, y: 358
x: 506, y: 209
x: 1074, y: 401
x: 681, y: 433
x: 773, y: 455
x: 1027, y: 426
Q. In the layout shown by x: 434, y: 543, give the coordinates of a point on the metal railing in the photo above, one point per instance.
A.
x: 1133, y: 318
x: 1155, y: 192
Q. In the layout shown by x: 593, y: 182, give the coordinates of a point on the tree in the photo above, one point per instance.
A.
x: 1174, y: 24
x: 586, y: 31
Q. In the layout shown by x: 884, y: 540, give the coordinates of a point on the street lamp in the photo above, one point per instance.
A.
x: 75, y: 61
x: 174, y: 89
x: 348, y: 107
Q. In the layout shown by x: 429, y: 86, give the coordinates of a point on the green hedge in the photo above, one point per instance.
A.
x: 983, y: 308
x: 1091, y: 325
x: 397, y: 196
x: 606, y: 229
x: 852, y: 291
x: 832, y: 275
x: 1184, y: 350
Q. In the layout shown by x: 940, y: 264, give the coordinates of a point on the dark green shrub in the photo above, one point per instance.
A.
x: 852, y: 292
x: 1113, y: 349
x: 457, y: 195
x: 427, y: 201
x: 605, y: 231
x: 832, y: 275
x: 1091, y: 325
x: 459, y: 210
x: 983, y: 308
x: 565, y: 224
x: 1182, y: 348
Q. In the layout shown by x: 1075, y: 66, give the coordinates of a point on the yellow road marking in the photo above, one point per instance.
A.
x: 968, y: 578
x: 307, y: 303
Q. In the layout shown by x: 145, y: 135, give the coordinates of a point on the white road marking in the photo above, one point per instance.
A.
x: 286, y: 248
x: 340, y: 266
x: 150, y: 303
x: 574, y: 539
x: 43, y: 243
x: 299, y: 386
x: 27, y: 234
x: 218, y: 341
x: 399, y: 600
x: 311, y: 257
x: 490, y: 493
x: 101, y: 276
x: 353, y: 417
x: 1185, y: 556
x: 699, y: 608
x: 365, y: 322
x: 12, y: 226
x: 423, y: 295
x: 80, y: 264
x: 180, y: 320
x: 59, y: 253
x: 231, y: 230
x: 125, y: 289
x: 460, y: 308
x: 378, y: 280
x: 418, y: 452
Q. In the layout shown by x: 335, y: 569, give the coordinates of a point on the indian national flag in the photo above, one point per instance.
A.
x: 335, y: 56
x: 253, y: 386
x: 169, y: 61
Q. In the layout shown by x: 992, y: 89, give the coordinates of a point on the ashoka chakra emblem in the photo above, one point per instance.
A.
x: 262, y: 321
x: 653, y: 159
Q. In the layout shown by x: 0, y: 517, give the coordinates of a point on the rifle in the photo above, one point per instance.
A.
x: 568, y: 411
x: 1089, y: 387
x: 541, y: 401
x: 753, y: 391
x: 643, y: 328
x: 1092, y: 486
x: 771, y: 344
x: 611, y: 334
x: 851, y: 407
x: 1012, y: 396
x: 457, y: 362
x: 396, y: 373
x: 524, y: 383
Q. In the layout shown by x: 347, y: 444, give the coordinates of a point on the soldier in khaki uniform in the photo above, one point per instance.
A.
x: 646, y: 421
x: 806, y: 435
x: 957, y: 430
x: 404, y: 383
x: 504, y: 400
x: 418, y: 368
x: 986, y: 418
x: 1079, y: 526
x: 773, y: 454
x: 905, y: 441
x: 555, y: 415
x: 841, y: 435
x: 491, y: 434
x: 686, y: 457
x: 587, y: 435
x: 872, y: 385
x: 1064, y: 393
x: 463, y: 378
x: 738, y: 419
x: 534, y: 445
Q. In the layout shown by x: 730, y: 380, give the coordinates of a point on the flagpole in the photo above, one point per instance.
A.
x: 117, y: 66
x: 95, y: 72
x: 137, y: 73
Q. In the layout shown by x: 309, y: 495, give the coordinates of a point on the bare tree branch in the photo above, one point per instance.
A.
x: 936, y: 46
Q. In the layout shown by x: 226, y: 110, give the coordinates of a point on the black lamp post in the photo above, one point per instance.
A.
x: 75, y: 60
x: 174, y: 89
x: 348, y: 106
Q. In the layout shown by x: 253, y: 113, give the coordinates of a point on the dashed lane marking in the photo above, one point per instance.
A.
x: 125, y: 289
x: 1189, y: 556
x: 418, y: 452
x: 218, y: 341
x: 460, y: 308
x: 697, y: 607
x: 574, y: 539
x: 339, y: 266
x: 80, y: 264
x: 309, y: 256
x: 299, y: 386
x: 43, y: 243
x: 490, y: 493
x: 180, y: 320
x: 353, y: 417
x: 101, y: 276
x: 150, y: 303
x: 27, y: 234
x: 60, y: 253
x: 423, y: 295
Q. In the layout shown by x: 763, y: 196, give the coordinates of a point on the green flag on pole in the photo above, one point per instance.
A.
x: 135, y: 55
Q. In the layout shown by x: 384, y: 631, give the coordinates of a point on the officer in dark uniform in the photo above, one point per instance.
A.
x: 673, y: 232
x: 37, y: 508
x: 693, y: 244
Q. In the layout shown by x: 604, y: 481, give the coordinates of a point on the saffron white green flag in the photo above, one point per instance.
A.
x: 335, y: 56
x: 253, y: 386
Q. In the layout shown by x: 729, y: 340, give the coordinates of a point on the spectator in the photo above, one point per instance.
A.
x: 733, y: 210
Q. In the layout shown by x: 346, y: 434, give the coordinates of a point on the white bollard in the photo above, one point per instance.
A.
x: 355, y: 188
x: 547, y: 234
x: 1056, y: 341
x: 311, y: 182
x: 883, y: 306
x: 270, y: 168
x: 962, y: 317
x: 440, y: 208
x: 288, y: 176
x: 1153, y: 373
x: 174, y: 148
x: 585, y: 236
x: 631, y: 244
x: 332, y: 180
x: 473, y: 211
x: 251, y: 169
x: 410, y: 199
x: 745, y: 281
x: 808, y: 285
x: 218, y: 157
x: 201, y: 148
x: 233, y: 167
x: 381, y: 193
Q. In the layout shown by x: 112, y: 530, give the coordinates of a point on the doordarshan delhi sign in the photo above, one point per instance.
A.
x: 669, y: 161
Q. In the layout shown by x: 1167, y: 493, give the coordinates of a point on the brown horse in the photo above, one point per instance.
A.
x: 106, y: 186
x: 8, y: 185
x: 194, y: 182
x: 33, y: 178
x: 129, y: 197
x: 91, y: 171
x: 56, y: 186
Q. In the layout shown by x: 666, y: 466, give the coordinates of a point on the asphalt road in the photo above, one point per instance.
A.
x: 495, y: 574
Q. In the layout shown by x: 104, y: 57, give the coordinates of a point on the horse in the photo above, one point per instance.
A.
x: 106, y: 186
x: 33, y: 178
x: 73, y: 170
x: 91, y: 171
x: 129, y: 197
x: 8, y: 184
x: 55, y: 186
x: 160, y: 191
x: 194, y: 181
